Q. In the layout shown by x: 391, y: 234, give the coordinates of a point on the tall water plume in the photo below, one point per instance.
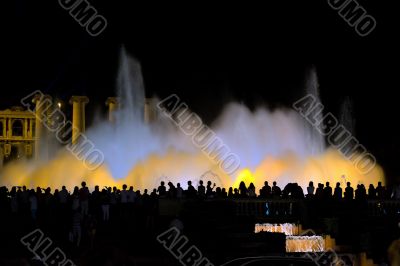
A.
x: 272, y: 145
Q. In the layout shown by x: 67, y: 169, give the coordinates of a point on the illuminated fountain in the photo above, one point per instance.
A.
x: 285, y: 228
x: 298, y: 240
x: 274, y: 145
x: 305, y: 244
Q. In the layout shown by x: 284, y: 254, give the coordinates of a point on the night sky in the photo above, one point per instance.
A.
x: 211, y: 54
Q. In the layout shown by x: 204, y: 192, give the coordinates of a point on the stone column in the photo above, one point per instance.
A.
x: 113, y: 104
x: 1, y: 157
x: 31, y: 128
x: 9, y: 128
x: 150, y: 110
x: 43, y: 103
x: 26, y: 128
x: 4, y: 133
x: 78, y: 116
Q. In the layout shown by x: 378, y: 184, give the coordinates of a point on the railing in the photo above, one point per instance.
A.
x: 291, y: 208
x: 287, y: 208
x: 266, y: 207
x: 384, y: 207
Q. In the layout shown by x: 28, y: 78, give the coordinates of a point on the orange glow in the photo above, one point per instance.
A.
x: 246, y: 176
x: 181, y: 167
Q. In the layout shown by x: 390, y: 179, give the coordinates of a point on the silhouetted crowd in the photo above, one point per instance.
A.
x: 81, y: 202
x: 80, y: 218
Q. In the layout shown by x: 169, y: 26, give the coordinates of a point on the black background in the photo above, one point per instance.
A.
x: 209, y: 54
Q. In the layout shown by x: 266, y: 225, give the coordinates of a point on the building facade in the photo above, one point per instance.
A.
x: 17, y: 134
x: 21, y: 138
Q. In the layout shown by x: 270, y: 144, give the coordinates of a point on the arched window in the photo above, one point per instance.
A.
x: 17, y: 128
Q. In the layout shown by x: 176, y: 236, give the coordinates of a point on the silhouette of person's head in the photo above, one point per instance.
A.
x: 162, y: 183
x: 327, y: 184
x: 83, y: 184
x: 348, y: 184
x: 189, y: 183
x: 338, y: 184
x: 274, y: 183
x: 201, y: 182
x: 178, y: 185
x: 266, y: 183
x: 124, y: 187
x: 311, y: 184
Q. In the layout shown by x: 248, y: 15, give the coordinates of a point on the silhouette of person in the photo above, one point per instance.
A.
x: 33, y: 204
x: 310, y: 190
x: 179, y: 191
x: 191, y: 191
x: 162, y: 190
x: 297, y: 191
x: 349, y: 192
x: 242, y: 190
x: 276, y: 191
x: 223, y: 193
x: 230, y: 193
x: 84, y: 199
x: 327, y: 191
x: 209, y: 189
x: 131, y: 200
x: 363, y: 192
x: 236, y: 194
x: 380, y: 191
x: 360, y: 192
x: 63, y: 196
x: 338, y: 192
x: 124, y: 194
x: 124, y: 201
x: 154, y: 195
x: 75, y: 199
x: 105, y: 204
x: 201, y: 189
x: 171, y: 190
x: 251, y: 190
x: 319, y: 192
x: 218, y: 192
x: 265, y: 191
x: 371, y: 192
